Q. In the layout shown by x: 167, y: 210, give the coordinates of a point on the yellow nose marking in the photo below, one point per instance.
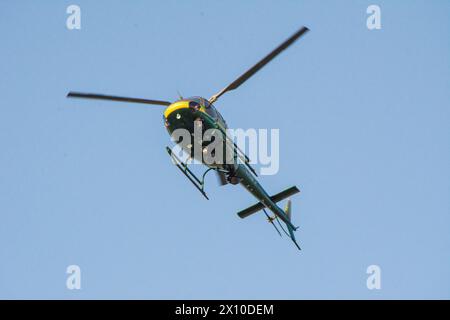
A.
x: 175, y: 106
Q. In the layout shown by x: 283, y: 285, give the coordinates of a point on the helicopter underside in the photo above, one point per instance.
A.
x: 195, y: 123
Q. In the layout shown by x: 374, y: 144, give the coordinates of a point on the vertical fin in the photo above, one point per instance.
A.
x: 287, y: 209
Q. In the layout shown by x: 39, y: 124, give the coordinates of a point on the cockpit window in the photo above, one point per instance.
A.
x: 210, y: 110
x: 194, y: 105
x: 198, y: 102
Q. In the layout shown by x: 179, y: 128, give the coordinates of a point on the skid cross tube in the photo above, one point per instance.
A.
x: 270, y: 220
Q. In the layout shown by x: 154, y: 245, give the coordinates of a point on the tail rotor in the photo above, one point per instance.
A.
x: 290, y: 232
x: 271, y: 219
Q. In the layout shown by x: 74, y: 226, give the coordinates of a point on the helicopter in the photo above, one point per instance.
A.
x: 198, y: 114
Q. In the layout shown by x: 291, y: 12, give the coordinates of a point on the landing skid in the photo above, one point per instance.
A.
x: 198, y: 183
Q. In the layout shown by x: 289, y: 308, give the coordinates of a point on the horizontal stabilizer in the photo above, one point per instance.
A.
x: 275, y: 198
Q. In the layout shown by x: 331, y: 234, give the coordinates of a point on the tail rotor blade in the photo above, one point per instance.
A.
x: 271, y: 222
x: 282, y: 228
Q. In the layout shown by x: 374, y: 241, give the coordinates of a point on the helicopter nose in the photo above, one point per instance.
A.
x: 175, y: 106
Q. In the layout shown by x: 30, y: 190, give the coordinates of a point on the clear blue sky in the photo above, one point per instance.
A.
x: 364, y: 128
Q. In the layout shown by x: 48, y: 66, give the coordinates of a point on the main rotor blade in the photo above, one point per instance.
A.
x: 116, y: 98
x: 245, y: 76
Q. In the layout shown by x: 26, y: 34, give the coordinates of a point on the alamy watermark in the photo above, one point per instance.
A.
x: 73, y: 21
x: 374, y: 279
x: 211, y: 148
x: 73, y: 281
x: 373, y: 21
